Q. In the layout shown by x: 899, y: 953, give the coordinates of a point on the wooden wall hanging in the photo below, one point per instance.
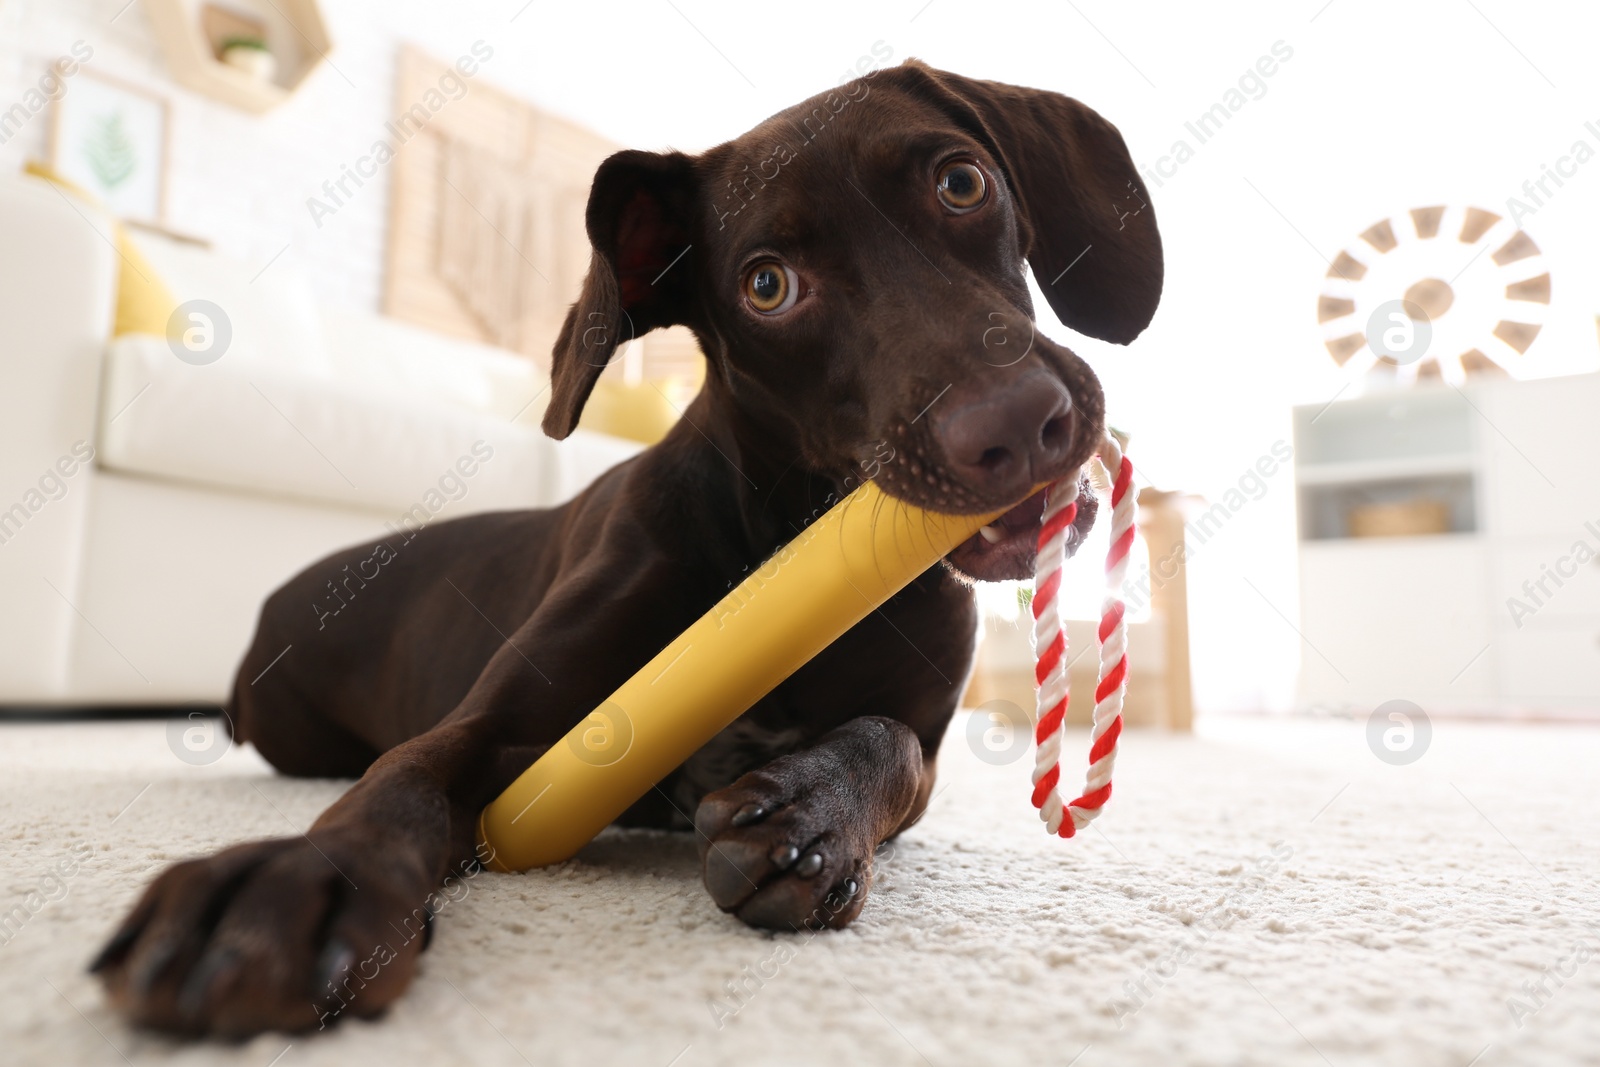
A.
x: 486, y: 232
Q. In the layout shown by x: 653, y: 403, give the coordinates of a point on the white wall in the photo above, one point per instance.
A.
x: 1383, y: 106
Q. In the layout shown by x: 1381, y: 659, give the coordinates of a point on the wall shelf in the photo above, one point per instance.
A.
x: 295, y: 31
x: 1383, y: 470
x: 1333, y: 509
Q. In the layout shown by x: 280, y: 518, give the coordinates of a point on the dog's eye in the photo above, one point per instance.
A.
x: 771, y: 287
x: 961, y: 186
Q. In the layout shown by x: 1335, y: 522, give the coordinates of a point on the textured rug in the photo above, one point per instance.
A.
x: 1266, y: 892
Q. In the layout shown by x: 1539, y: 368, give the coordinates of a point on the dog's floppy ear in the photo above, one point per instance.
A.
x: 1089, y: 231
x: 640, y: 219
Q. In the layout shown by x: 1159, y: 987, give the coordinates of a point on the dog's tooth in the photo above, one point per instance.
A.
x: 992, y: 534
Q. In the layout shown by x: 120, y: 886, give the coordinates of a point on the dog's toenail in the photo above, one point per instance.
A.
x: 427, y: 929
x: 116, y: 950
x: 810, y: 865
x: 217, y: 969
x: 851, y: 886
x: 149, y: 969
x: 748, y: 814
x: 336, y: 959
x: 783, y: 858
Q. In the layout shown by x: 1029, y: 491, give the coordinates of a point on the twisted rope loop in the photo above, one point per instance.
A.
x: 1050, y: 649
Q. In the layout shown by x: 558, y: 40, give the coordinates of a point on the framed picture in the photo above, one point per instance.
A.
x: 110, y: 138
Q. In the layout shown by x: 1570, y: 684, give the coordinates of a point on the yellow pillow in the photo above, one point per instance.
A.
x: 144, y: 303
x: 638, y: 412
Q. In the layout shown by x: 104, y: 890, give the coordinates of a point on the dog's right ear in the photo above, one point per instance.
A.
x: 641, y: 220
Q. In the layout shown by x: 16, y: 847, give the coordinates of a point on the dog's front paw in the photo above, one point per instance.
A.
x: 286, y: 934
x: 784, y: 855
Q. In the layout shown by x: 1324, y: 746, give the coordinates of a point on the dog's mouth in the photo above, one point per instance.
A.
x: 1007, y: 548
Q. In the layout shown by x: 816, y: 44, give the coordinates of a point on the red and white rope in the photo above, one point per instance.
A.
x: 1050, y: 648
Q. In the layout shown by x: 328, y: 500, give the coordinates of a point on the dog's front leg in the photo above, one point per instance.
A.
x: 297, y: 932
x: 790, y: 846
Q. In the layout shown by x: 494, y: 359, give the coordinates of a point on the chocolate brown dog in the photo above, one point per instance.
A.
x: 854, y: 270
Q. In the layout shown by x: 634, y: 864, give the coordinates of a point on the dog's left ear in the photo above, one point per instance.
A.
x: 640, y: 219
x: 1089, y: 231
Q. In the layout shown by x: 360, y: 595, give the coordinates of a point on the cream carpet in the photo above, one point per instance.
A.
x: 1264, y: 893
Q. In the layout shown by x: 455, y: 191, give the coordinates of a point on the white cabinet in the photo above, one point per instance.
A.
x: 1485, y: 596
x: 1548, y: 578
x: 1395, y: 618
x: 1551, y: 668
x: 1540, y: 447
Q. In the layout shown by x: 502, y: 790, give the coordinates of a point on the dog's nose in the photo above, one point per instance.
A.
x: 1004, y: 440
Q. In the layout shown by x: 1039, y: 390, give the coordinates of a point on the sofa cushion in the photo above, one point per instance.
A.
x: 381, y: 350
x: 252, y: 428
x: 272, y: 314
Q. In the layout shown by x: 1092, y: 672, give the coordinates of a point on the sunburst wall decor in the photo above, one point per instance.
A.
x: 1440, y: 292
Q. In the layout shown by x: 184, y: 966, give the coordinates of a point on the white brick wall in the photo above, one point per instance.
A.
x: 239, y: 180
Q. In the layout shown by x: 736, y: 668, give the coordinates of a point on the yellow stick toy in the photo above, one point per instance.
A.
x: 851, y: 560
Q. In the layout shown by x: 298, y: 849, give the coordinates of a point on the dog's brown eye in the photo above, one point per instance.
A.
x: 770, y: 287
x: 961, y: 186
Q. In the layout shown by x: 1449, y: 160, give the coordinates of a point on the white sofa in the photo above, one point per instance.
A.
x: 148, y: 504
